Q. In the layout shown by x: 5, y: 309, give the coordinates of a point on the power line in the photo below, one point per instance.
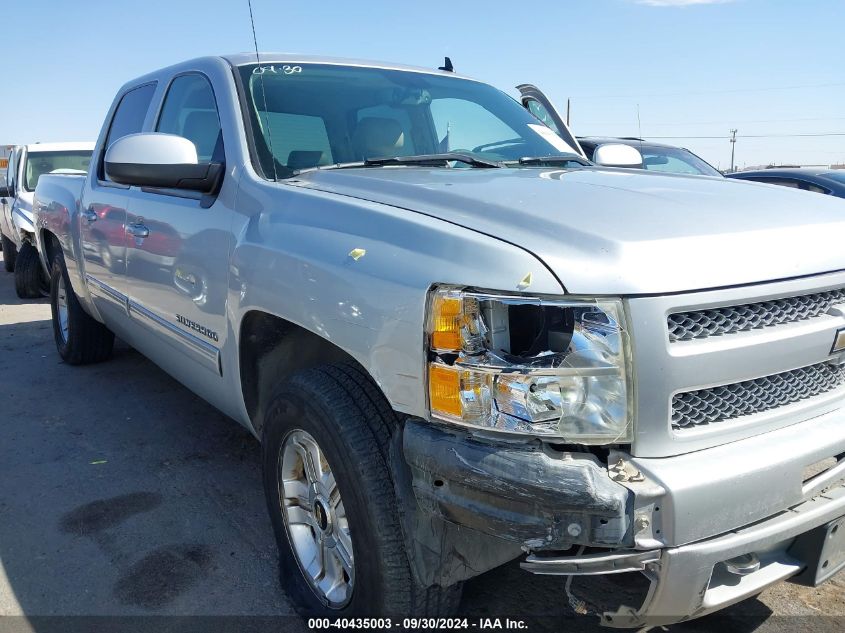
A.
x: 675, y: 123
x: 706, y: 92
x: 751, y: 136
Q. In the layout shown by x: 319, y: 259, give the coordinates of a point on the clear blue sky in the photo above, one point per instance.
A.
x: 762, y: 66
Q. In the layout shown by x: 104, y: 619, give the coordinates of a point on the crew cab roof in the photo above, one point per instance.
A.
x: 240, y: 59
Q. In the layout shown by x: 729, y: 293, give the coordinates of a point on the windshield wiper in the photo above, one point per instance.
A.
x: 439, y: 160
x: 558, y: 159
x: 433, y: 159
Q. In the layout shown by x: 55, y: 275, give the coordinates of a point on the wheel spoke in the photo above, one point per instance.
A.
x: 296, y: 490
x: 334, y: 495
x: 343, y: 554
x: 308, y: 462
x: 299, y: 516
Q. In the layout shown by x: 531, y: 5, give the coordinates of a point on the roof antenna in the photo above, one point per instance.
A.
x: 447, y: 66
x: 263, y: 92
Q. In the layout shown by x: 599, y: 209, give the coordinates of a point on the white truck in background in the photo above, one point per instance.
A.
x: 5, y: 152
x: 26, y: 164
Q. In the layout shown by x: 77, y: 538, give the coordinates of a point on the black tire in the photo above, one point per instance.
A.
x: 10, y: 253
x: 344, y: 411
x: 87, y: 340
x: 30, y: 281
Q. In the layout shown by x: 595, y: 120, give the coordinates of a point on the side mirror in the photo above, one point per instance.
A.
x: 6, y: 192
x: 617, y: 155
x: 154, y: 159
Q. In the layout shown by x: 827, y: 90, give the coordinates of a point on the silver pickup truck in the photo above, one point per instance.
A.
x: 460, y: 342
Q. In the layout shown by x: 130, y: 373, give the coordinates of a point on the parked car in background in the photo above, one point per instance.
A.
x: 461, y: 343
x: 656, y: 156
x: 27, y: 164
x: 5, y: 153
x: 827, y: 181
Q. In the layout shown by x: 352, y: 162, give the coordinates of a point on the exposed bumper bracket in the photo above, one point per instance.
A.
x: 591, y: 564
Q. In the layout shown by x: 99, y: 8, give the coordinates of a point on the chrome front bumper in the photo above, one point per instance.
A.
x: 691, y: 581
x: 697, y: 511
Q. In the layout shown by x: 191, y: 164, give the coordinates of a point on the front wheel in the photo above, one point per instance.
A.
x: 80, y: 339
x: 332, y: 503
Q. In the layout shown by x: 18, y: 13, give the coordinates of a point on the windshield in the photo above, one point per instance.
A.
x: 39, y: 163
x: 310, y: 115
x: 676, y: 161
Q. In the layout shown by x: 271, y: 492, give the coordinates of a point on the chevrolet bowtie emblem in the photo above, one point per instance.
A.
x: 838, y: 341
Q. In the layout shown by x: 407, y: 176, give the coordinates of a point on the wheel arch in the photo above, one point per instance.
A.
x: 271, y: 348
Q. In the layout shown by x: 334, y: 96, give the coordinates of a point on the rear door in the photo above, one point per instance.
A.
x: 103, y: 219
x: 542, y: 108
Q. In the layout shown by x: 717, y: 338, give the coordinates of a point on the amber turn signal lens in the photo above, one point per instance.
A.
x: 444, y: 389
x: 446, y: 331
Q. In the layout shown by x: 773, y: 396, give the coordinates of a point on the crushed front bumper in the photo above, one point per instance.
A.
x: 523, y: 493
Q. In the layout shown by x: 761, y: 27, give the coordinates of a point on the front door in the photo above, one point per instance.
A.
x: 178, y: 243
x: 103, y: 219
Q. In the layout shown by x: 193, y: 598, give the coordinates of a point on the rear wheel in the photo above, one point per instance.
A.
x: 332, y: 503
x: 80, y: 339
x: 30, y: 280
x: 10, y: 252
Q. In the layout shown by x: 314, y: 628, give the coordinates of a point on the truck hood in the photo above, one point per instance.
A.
x: 621, y: 232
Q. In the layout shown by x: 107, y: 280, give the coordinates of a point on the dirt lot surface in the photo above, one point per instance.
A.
x: 122, y: 494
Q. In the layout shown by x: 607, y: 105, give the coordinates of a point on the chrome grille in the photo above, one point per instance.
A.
x: 717, y: 404
x: 687, y: 326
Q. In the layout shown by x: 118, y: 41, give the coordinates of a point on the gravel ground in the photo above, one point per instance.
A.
x: 123, y: 494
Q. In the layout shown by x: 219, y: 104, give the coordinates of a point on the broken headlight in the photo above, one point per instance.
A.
x: 552, y: 368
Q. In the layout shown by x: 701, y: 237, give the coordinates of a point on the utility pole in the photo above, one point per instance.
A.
x: 567, y: 113
x: 733, y: 148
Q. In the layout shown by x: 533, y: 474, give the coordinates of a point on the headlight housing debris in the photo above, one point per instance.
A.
x: 547, y: 367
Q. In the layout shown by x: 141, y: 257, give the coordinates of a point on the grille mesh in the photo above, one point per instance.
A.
x: 686, y: 326
x: 717, y: 404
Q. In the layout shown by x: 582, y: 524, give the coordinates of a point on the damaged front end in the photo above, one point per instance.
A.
x: 525, y: 493
x: 527, y: 396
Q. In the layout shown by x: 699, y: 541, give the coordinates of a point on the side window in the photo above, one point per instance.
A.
x: 783, y: 182
x: 539, y: 110
x: 190, y: 111
x: 130, y: 113
x: 12, y: 169
x: 814, y: 188
x: 128, y: 118
x: 669, y: 164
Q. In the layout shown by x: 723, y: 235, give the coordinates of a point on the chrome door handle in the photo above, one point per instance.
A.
x: 89, y: 216
x: 137, y: 230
